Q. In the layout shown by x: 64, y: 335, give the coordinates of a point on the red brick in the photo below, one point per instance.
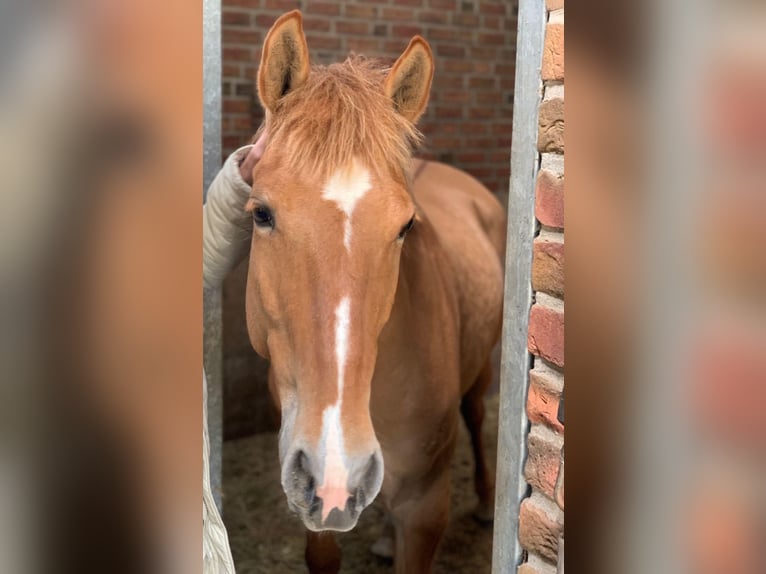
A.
x: 538, y: 532
x: 550, y: 136
x: 332, y: 8
x: 528, y: 568
x: 548, y: 267
x: 460, y: 66
x: 284, y: 5
x: 398, y: 14
x: 357, y: 11
x: 404, y: 31
x: 543, y: 401
x: 554, y: 4
x: 542, y: 465
x: 231, y: 106
x: 553, y: 52
x: 236, y: 54
x: 489, y: 98
x: 546, y: 334
x: 484, y: 83
x: 346, y: 27
x: 231, y: 71
x: 443, y: 4
x: 465, y: 20
x: 316, y: 24
x: 450, y: 51
x: 265, y: 20
x: 229, y: 18
x: 364, y: 46
x: 491, y: 22
x: 471, y: 157
x: 317, y: 42
x: 244, y: 3
x: 549, y: 199
x: 409, y: 2
x: 461, y: 97
x: 245, y: 37
x: 492, y: 39
x: 480, y: 113
x: 434, y: 17
x: 508, y: 70
x: 493, y: 7
x: 449, y: 112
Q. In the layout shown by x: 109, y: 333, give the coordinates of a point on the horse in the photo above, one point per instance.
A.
x: 375, y: 287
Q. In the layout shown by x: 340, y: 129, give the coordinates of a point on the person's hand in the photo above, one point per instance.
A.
x: 248, y: 164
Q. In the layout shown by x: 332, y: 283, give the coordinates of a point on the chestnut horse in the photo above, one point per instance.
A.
x: 375, y: 289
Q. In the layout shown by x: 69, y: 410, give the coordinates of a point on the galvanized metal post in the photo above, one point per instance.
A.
x: 211, y: 80
x: 515, y: 362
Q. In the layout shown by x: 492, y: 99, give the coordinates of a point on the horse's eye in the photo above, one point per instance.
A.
x: 407, y: 228
x: 263, y: 217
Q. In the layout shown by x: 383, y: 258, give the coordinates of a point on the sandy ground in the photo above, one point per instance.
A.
x: 266, y: 538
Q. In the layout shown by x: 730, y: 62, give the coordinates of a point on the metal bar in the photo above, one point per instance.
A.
x: 211, y: 87
x: 515, y: 363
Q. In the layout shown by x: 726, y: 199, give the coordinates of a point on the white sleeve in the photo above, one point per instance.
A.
x: 226, y: 227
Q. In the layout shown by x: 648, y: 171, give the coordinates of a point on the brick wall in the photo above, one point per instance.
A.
x: 468, y: 122
x: 541, y: 519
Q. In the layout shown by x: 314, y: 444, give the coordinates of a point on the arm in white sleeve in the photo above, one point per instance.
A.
x: 226, y: 227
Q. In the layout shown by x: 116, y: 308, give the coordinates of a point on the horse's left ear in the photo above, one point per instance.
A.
x: 284, y: 61
x: 409, y: 81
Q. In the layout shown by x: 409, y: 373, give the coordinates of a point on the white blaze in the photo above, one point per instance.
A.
x: 333, y: 490
x: 346, y: 187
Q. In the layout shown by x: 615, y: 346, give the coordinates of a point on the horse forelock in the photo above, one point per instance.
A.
x: 341, y: 112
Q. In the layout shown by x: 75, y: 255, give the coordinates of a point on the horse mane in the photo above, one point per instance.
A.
x: 340, y: 112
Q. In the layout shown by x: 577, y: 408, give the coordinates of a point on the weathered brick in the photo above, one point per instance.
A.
x: 549, y: 199
x: 546, y: 333
x: 543, y: 459
x: 550, y: 137
x: 553, y: 53
x: 543, y: 400
x: 548, y: 266
x: 536, y: 566
x: 539, y: 528
x: 554, y: 4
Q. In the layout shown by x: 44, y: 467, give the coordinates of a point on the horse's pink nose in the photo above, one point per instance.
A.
x: 331, y: 501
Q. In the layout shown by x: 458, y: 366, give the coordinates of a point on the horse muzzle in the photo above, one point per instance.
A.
x: 334, y: 501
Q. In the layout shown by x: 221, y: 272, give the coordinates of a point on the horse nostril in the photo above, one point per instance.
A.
x: 370, y: 476
x: 302, y: 477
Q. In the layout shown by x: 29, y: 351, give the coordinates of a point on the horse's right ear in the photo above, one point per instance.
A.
x: 284, y: 61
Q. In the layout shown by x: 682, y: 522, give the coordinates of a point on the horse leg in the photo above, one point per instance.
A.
x: 322, y: 553
x: 472, y: 409
x: 419, y: 525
